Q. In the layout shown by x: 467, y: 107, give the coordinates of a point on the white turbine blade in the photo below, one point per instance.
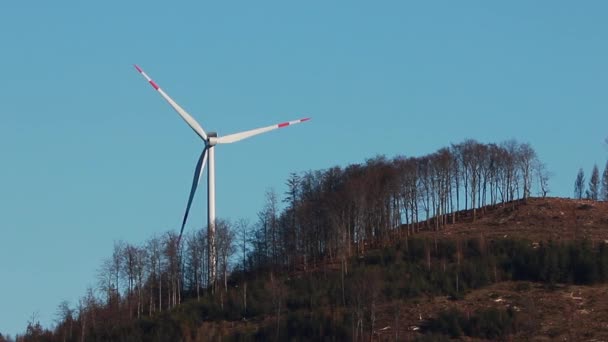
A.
x: 198, y: 171
x: 227, y: 139
x: 187, y: 117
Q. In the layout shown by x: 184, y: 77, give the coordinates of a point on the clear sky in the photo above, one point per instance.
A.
x: 89, y: 153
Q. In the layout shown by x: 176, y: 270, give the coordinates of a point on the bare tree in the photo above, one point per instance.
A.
x: 225, y: 248
x: 543, y: 177
x: 65, y: 320
x: 195, y: 255
x: 267, y: 238
x: 87, y: 313
x: 107, y: 282
x: 128, y: 271
x: 172, y: 255
x: 242, y: 229
x: 154, y: 267
x: 244, y: 240
x: 525, y: 157
x: 277, y: 290
x: 117, y: 263
x: 141, y: 256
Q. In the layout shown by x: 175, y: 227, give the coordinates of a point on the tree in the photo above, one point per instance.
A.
x: 129, y: 267
x: 65, y: 320
x: 543, y: 177
x: 105, y: 281
x: 526, y: 156
x: 195, y: 255
x: 604, y: 190
x: 154, y: 269
x: 594, y: 184
x: 172, y: 255
x: 141, y: 256
x: 268, y: 237
x: 35, y: 331
x: 242, y: 230
x: 291, y: 234
x: 87, y: 313
x: 225, y: 248
x: 579, y: 184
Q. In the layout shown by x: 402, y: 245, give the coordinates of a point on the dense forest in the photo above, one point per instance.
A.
x: 322, y: 256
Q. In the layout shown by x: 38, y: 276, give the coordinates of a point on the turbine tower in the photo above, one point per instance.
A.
x: 208, y: 154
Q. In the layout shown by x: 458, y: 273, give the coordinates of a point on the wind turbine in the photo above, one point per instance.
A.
x: 211, y: 139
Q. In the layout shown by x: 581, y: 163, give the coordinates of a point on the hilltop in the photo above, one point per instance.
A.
x: 535, y: 219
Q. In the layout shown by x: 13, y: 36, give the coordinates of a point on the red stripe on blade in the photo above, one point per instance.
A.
x: 305, y: 119
x: 138, y: 68
x: 281, y: 125
x: 154, y: 85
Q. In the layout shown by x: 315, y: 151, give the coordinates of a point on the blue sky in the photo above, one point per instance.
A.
x: 91, y: 154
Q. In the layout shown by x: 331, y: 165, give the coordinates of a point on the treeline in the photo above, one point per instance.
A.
x: 325, y: 215
x: 597, y: 188
x: 336, y: 213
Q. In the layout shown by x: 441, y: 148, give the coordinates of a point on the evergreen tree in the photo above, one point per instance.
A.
x: 579, y: 184
x: 594, y: 184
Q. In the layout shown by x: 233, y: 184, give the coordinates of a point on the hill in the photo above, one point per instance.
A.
x: 533, y: 269
x: 377, y: 250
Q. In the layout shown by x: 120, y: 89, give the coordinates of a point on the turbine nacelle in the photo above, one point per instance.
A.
x: 211, y: 139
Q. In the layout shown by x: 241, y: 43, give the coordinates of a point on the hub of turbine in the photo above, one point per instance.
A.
x: 212, y: 138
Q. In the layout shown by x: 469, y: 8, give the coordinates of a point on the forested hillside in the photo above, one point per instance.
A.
x: 363, y: 251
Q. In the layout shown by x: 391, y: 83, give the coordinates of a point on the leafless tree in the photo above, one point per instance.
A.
x: 87, y: 313
x: 129, y: 271
x: 194, y: 262
x: 525, y: 158
x: 277, y: 290
x: 172, y: 255
x: 242, y: 230
x: 107, y: 281
x: 65, y: 320
x: 141, y: 256
x: 154, y: 266
x: 225, y: 248
x: 543, y: 177
x: 117, y: 263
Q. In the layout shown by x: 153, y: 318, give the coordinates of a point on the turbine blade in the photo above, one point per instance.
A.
x: 198, y: 171
x: 187, y: 117
x: 227, y: 139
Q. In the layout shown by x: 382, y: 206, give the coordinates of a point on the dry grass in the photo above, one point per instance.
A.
x: 537, y: 219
